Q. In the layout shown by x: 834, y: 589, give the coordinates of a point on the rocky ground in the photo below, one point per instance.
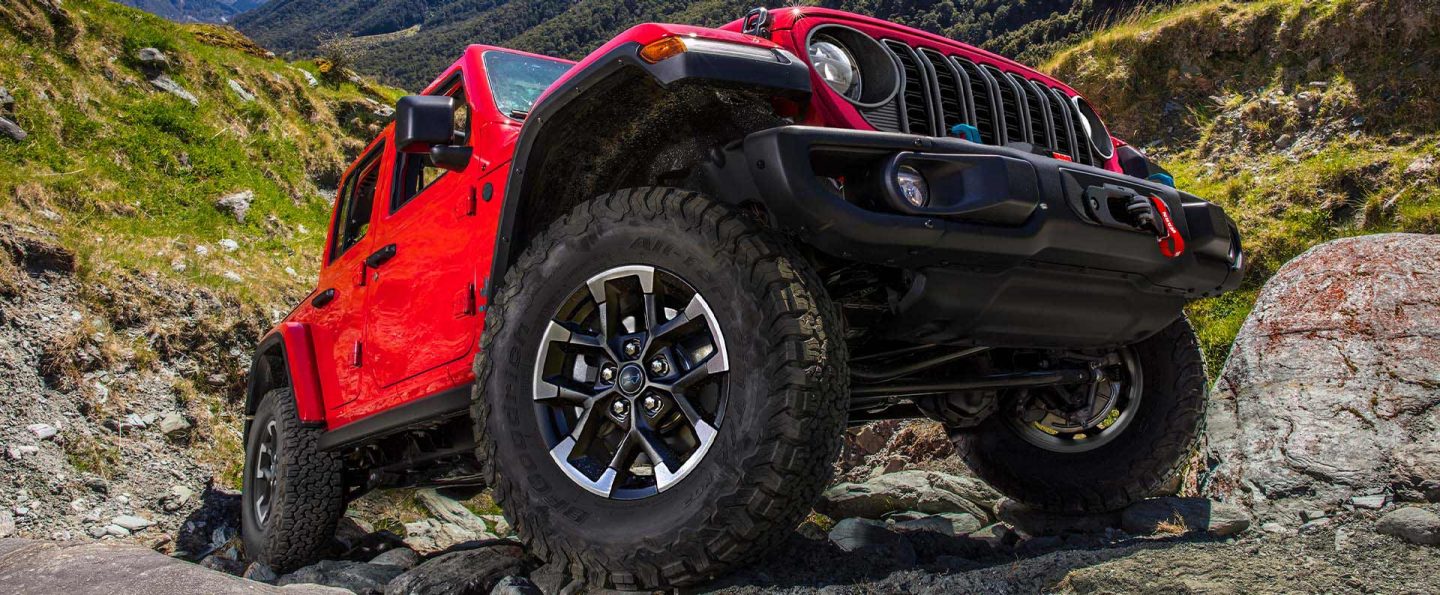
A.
x: 1319, y: 475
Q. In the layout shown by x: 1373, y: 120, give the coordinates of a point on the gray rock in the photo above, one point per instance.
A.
x: 174, y: 424
x: 1375, y: 502
x: 42, y: 431
x: 1194, y: 515
x: 1037, y: 523
x: 7, y: 101
x: 168, y: 85
x: 131, y: 522
x: 963, y: 522
x: 872, y: 538
x: 475, y: 571
x: 116, y: 530
x: 1284, y: 142
x: 13, y: 130
x: 309, y: 78
x: 359, y: 577
x: 225, y: 564
x: 515, y: 585
x: 1415, y: 525
x: 431, y: 536
x: 109, y: 567
x: 258, y: 571
x: 237, y: 204
x: 153, y: 59
x: 240, y: 90
x: 7, y: 523
x: 400, y: 557
x: 922, y: 491
x: 931, y: 523
x: 1344, y: 341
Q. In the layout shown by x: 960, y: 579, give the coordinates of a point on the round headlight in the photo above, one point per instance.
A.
x: 835, y: 66
x: 912, y: 186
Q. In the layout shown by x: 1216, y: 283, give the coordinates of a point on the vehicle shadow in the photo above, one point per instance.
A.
x: 942, y: 564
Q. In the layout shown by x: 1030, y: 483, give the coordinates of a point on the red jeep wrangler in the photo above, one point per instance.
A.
x: 642, y: 296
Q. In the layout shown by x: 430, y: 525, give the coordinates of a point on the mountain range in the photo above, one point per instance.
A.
x: 406, y: 42
x: 195, y: 11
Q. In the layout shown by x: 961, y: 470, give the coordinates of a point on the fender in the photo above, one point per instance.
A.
x: 602, y: 78
x: 288, y: 346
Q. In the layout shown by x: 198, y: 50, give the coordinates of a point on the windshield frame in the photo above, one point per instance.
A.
x: 490, y: 82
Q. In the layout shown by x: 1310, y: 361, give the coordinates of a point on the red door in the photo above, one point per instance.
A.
x: 337, y: 323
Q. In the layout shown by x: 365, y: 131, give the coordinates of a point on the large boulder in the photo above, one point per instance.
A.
x: 1332, y: 389
x: 468, y: 572
x: 96, y: 568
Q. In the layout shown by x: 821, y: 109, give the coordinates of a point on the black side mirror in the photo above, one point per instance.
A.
x: 450, y: 157
x: 423, y: 122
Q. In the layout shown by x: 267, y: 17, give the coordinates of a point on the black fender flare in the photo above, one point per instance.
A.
x: 788, y: 78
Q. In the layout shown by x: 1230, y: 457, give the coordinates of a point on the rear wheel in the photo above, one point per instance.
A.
x: 661, y: 390
x: 1128, y: 436
x: 292, y: 495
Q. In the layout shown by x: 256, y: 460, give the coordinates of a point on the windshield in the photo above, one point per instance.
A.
x: 517, y: 81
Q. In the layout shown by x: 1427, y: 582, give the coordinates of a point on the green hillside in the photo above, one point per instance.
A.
x: 406, y: 42
x: 128, y: 175
x: 1307, y: 120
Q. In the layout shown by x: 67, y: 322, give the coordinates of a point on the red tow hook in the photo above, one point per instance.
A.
x: 1172, y: 244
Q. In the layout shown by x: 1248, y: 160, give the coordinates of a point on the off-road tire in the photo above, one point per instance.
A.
x: 785, y: 415
x: 1136, y: 464
x: 309, y: 497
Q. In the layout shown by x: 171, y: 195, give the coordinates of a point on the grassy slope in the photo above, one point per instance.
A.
x: 1224, y: 88
x: 127, y: 176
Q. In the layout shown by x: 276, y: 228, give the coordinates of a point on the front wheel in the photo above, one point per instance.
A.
x: 293, y: 493
x: 661, y: 390
x: 1135, y: 431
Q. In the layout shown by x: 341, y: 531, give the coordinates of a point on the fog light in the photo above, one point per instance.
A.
x: 912, y: 186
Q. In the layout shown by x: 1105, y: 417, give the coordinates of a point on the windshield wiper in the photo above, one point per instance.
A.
x: 519, y: 114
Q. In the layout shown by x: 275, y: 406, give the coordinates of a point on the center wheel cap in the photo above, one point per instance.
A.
x: 632, y: 379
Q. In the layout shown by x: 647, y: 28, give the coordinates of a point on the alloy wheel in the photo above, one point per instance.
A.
x: 630, y: 382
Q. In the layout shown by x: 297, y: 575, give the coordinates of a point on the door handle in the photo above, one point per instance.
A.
x: 324, y: 298
x: 380, y: 257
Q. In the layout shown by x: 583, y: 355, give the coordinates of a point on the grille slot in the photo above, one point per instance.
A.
x: 1042, y: 125
x: 982, y: 93
x: 1065, y: 137
x: 915, y: 98
x: 1012, y: 106
x: 954, y: 105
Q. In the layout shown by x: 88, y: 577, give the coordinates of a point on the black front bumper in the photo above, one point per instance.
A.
x: 1010, y: 251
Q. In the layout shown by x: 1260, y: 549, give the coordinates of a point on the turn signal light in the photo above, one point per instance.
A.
x: 660, y: 50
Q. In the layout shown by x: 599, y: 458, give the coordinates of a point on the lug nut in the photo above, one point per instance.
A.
x: 619, y: 408
x: 651, y: 404
x: 659, y: 366
x: 632, y: 347
x: 607, y: 373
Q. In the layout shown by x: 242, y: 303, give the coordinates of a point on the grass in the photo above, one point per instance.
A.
x: 1205, y: 88
x: 92, y: 454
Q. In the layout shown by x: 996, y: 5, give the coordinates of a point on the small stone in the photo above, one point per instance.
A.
x: 933, y: 523
x: 515, y: 585
x: 229, y: 245
x: 1420, y: 166
x: 178, y: 264
x: 174, y: 424
x: 233, y: 277
x: 13, y: 130
x: 202, y: 250
x: 153, y: 58
x: 7, y: 101
x: 291, y: 271
x: 17, y: 452
x: 117, y: 531
x: 42, y: 431
x: 401, y: 557
x: 236, y: 204
x: 1312, y: 515
x: 131, y: 522
x: 1415, y: 525
x: 240, y: 90
x: 258, y: 571
x: 96, y: 531
x: 1375, y: 502
x: 1275, y: 528
x: 223, y: 564
x: 168, y: 85
x: 498, y: 524
x: 1284, y: 142
x: 309, y: 78
x: 7, y: 524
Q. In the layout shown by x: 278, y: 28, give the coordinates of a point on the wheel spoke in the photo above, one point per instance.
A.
x: 652, y: 315
x: 693, y: 311
x: 654, y: 446
x: 556, y: 389
x: 715, y: 363
x: 625, y: 452
x: 703, y: 430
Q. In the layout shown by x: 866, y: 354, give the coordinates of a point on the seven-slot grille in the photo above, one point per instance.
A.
x: 939, y: 91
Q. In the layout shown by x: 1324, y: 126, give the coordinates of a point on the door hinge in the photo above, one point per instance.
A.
x: 359, y: 351
x: 474, y: 204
